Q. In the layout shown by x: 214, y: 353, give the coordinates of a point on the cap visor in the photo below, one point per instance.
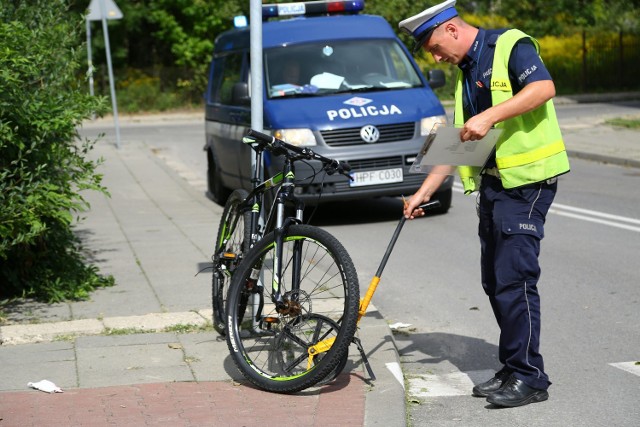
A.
x: 420, y: 41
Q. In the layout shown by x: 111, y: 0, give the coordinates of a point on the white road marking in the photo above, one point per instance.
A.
x: 396, y: 370
x: 460, y: 383
x: 603, y: 218
x: 451, y: 384
x: 631, y: 367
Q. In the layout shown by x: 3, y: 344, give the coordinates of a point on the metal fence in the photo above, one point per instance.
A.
x: 606, y: 64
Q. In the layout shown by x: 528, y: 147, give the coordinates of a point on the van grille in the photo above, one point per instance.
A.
x: 379, y: 163
x: 351, y: 136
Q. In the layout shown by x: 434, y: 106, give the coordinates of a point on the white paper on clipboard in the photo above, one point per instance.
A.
x: 445, y: 148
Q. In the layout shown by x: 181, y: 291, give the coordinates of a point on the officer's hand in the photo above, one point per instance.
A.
x: 475, y: 128
x: 411, y: 209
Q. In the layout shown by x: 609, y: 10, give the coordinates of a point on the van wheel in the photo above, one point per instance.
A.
x: 217, y: 191
x: 445, y: 201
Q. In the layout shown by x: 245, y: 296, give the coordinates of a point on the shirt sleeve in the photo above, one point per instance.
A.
x: 526, y: 66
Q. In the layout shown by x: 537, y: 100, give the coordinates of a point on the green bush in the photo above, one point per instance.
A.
x: 43, y: 165
x: 138, y: 91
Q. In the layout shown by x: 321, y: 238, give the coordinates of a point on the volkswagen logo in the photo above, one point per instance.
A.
x: 369, y: 134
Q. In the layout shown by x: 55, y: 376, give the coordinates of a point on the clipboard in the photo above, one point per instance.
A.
x: 443, y: 147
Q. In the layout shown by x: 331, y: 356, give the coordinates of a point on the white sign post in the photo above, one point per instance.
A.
x: 255, y: 52
x: 101, y: 10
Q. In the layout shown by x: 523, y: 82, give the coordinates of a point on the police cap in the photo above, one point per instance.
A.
x: 421, y: 26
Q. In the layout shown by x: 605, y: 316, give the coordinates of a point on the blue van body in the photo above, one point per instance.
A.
x: 363, y: 100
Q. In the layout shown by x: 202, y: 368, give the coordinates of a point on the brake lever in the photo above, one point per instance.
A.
x: 339, y: 167
x: 344, y: 168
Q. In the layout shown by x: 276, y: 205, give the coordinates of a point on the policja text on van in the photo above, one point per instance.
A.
x: 355, y: 112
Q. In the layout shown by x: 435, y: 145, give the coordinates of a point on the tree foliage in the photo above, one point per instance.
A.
x: 172, y: 40
x: 42, y: 166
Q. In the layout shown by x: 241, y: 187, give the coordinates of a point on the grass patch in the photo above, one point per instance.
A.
x: 65, y: 338
x: 624, y: 122
x: 179, y: 328
x: 127, y: 331
x: 188, y: 328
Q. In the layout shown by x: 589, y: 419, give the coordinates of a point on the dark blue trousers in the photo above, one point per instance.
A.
x: 510, y: 229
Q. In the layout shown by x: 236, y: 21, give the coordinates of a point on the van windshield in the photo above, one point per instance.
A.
x: 337, y: 66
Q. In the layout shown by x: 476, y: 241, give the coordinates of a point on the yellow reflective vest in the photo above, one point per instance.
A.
x: 530, y: 149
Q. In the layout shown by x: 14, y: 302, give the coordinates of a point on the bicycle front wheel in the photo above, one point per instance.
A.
x: 232, y: 244
x: 289, y: 349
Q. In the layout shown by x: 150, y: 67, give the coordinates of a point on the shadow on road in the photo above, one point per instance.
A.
x: 466, y: 353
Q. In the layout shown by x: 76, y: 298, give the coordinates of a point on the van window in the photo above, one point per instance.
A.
x: 231, y: 74
x: 334, y: 67
x: 215, y: 74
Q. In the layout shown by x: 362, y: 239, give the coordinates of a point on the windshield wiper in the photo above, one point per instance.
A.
x: 295, y: 95
x: 362, y: 89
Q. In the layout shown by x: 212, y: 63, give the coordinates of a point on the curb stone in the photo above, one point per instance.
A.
x: 151, y: 322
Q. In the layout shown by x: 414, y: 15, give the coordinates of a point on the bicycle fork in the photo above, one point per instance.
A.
x: 287, y: 306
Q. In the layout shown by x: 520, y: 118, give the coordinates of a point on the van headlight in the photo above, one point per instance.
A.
x: 431, y: 123
x: 296, y: 136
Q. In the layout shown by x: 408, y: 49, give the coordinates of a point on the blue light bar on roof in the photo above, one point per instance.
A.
x: 311, y: 8
x: 240, y: 21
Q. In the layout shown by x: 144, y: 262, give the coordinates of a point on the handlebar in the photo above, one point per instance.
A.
x: 282, y: 148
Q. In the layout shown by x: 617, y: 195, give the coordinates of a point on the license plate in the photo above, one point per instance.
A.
x: 382, y: 176
x: 291, y: 9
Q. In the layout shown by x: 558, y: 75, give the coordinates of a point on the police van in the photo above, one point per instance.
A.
x: 335, y: 80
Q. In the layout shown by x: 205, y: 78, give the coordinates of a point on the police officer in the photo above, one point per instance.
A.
x: 502, y: 83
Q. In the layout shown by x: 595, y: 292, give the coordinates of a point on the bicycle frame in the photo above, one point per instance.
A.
x: 278, y: 222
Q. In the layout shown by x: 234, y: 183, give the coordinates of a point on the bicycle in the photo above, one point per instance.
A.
x: 240, y: 226
x: 296, y: 286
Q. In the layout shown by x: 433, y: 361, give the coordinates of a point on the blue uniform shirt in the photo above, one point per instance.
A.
x: 525, y: 66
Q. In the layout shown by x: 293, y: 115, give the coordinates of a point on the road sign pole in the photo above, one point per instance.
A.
x: 89, y: 58
x: 114, y: 103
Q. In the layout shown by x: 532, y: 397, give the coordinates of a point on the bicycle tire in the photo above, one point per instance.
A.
x: 272, y: 353
x: 232, y: 244
x: 333, y: 374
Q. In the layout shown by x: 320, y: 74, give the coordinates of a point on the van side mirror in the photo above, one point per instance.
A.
x: 240, y: 94
x: 436, y: 79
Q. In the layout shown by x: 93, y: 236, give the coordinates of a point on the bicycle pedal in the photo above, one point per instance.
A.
x: 228, y: 256
x: 266, y: 322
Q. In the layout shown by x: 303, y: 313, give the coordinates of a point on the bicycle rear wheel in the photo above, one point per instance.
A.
x: 319, y: 282
x: 232, y: 244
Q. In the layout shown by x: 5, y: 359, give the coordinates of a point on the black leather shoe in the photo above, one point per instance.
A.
x: 494, y: 384
x: 516, y: 393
